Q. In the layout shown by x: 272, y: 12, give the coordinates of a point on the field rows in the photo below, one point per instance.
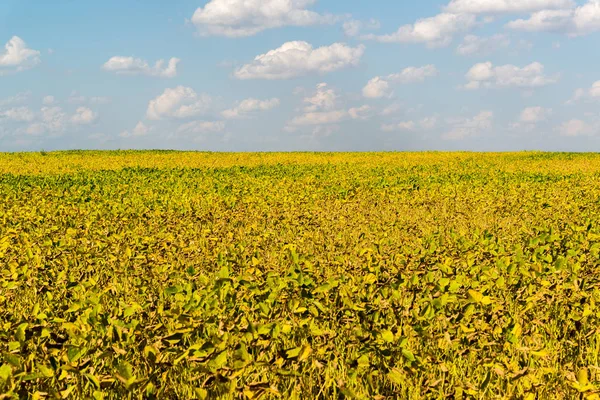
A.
x: 201, y: 275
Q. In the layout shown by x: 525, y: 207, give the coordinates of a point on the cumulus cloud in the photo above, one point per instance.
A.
x: 505, y: 6
x: 16, y: 99
x: 534, y: 114
x: 578, y: 21
x: 424, y: 124
x: 324, y: 131
x: 137, y: 66
x: 428, y: 122
x: 392, y: 109
x: 380, y: 86
x: 179, y: 102
x: 530, y: 117
x: 295, y: 59
x: 17, y: 114
x: 595, y: 89
x: 76, y: 98
x: 354, y: 27
x: 238, y: 18
x: 462, y: 128
x: 487, y: 76
x: 577, y: 127
x: 17, y: 56
x: 477, y: 45
x: 324, y: 98
x: 320, y: 117
x: 52, y: 120
x: 200, y: 127
x: 250, y: 106
x: 49, y: 120
x: 84, y: 116
x: 434, y: 31
x: 376, y: 88
x: 140, y: 129
x: 400, y: 126
x: 48, y: 100
x: 413, y: 74
x: 322, y: 109
x: 363, y: 112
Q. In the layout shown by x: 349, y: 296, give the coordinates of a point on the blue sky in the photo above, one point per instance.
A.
x: 270, y: 75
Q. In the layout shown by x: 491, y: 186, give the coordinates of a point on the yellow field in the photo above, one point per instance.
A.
x: 299, y: 275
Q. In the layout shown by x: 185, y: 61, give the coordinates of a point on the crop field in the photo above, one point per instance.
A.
x: 176, y: 275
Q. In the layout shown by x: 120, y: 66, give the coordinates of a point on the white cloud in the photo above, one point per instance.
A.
x: 576, y: 127
x: 379, y: 86
x: 137, y: 66
x: 76, y: 98
x: 52, y: 120
x: 473, y: 44
x: 323, y: 99
x: 413, y: 74
x: 16, y: 99
x: 322, y: 109
x: 238, y: 18
x: 48, y: 100
x: 18, y: 114
x: 295, y: 59
x: 434, y: 31
x: 392, y: 109
x: 17, y: 56
x: 400, y: 126
x: 140, y: 129
x: 320, y: 118
x: 462, y: 128
x: 324, y: 130
x: 249, y: 106
x: 428, y: 122
x: 354, y: 27
x: 505, y: 6
x: 199, y: 127
x: 578, y: 95
x: 532, y: 115
x: 487, y: 76
x: 363, y: 112
x: 179, y: 102
x: 595, y: 90
x: 376, y: 88
x: 84, y: 116
x: 424, y: 124
x: 546, y: 20
x: 579, y: 21
x: 591, y: 93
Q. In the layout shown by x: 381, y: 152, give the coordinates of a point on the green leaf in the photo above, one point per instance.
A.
x: 293, y: 353
x: 45, y: 371
x: 305, y: 353
x: 125, y: 371
x: 387, y: 336
x: 67, y: 392
x: 201, y: 393
x: 363, y: 361
x: 20, y: 334
x: 408, y: 355
x: 5, y: 372
x: 219, y: 361
x: 396, y: 376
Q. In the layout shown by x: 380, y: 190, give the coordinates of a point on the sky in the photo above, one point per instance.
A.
x: 300, y: 75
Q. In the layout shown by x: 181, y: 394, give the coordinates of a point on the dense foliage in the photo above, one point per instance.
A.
x: 198, y: 275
